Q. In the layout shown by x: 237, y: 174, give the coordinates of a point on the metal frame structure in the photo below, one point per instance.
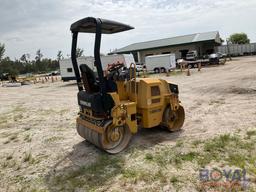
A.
x: 97, y: 26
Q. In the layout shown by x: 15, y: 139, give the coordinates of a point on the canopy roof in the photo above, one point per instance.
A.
x: 88, y: 25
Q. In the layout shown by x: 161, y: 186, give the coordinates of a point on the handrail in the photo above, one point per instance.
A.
x: 135, y: 86
x: 143, y: 71
x: 97, y: 62
x: 74, y: 61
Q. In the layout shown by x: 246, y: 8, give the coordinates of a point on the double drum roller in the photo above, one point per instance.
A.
x: 114, y: 103
x: 112, y: 139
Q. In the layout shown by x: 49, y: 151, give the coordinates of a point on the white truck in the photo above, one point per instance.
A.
x: 160, y: 63
x: 191, y: 56
x: 67, y: 71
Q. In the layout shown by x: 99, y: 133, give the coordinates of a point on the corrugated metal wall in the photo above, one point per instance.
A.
x: 236, y: 50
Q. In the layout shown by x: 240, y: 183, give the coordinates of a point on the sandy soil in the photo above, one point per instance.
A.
x: 37, y: 122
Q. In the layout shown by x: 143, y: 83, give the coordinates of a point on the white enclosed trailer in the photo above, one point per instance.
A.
x: 160, y: 63
x: 67, y: 71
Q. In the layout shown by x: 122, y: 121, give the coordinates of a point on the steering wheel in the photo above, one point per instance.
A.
x: 115, y: 67
x: 114, y: 71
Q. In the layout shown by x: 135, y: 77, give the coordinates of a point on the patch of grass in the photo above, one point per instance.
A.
x: 28, y: 158
x: 161, y: 176
x: 189, y: 156
x: 26, y: 184
x: 237, y: 159
x: 135, y: 174
x: 250, y: 133
x: 134, y: 152
x: 63, y: 111
x: 10, y: 137
x: 27, y: 128
x: 214, y: 148
x: 252, y: 166
x: 171, y: 155
x: 9, y: 161
x: 217, y: 102
x: 15, y: 112
x: 204, y: 160
x: 48, y: 112
x: 245, y: 144
x: 218, y: 143
x: 196, y: 142
x: 4, y: 164
x: 235, y: 150
x: 18, y: 108
x: 28, y: 138
x: 179, y: 143
x: 163, y: 156
x: 17, y: 117
x: 149, y: 156
x: 60, y: 129
x: 174, y: 179
x: 13, y: 137
x: 9, y: 156
x: 7, y: 134
x: 18, y: 167
x: 230, y: 150
x: 6, y: 142
x: 238, y: 130
x: 10, y: 164
x: 19, y: 178
x: 53, y: 139
x: 91, y: 176
x: 177, y: 161
x: 130, y: 173
x: 41, y: 157
x: 3, y: 119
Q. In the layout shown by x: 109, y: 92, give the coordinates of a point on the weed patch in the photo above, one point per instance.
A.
x: 28, y: 158
x: 251, y: 133
x: 53, y: 139
x: 28, y: 138
x: 91, y: 176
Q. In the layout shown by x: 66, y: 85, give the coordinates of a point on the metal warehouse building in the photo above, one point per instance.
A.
x: 203, y: 43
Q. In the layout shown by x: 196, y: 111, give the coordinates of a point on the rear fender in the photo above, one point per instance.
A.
x: 174, y: 102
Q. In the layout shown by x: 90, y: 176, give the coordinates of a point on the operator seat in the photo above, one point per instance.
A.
x: 91, y: 97
x: 91, y: 85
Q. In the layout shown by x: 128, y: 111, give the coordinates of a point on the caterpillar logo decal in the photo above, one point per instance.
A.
x: 87, y: 104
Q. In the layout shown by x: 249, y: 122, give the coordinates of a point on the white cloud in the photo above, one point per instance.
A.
x: 29, y: 25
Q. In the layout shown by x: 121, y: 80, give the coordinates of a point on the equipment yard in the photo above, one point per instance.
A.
x: 41, y: 150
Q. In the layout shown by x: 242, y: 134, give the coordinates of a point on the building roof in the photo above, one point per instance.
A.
x: 186, y: 39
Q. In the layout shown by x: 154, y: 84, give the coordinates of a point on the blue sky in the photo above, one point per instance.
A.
x: 29, y: 25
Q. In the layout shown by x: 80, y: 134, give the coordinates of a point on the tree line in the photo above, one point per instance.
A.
x: 41, y: 64
x: 25, y: 64
x: 239, y: 38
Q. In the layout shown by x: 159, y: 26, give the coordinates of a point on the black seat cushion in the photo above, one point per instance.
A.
x: 89, y: 79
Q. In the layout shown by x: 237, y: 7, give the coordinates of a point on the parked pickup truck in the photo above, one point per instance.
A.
x: 191, y: 56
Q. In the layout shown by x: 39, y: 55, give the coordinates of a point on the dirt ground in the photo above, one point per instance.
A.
x: 39, y: 140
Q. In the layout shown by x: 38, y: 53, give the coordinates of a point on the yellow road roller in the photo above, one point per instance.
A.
x: 115, y: 104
